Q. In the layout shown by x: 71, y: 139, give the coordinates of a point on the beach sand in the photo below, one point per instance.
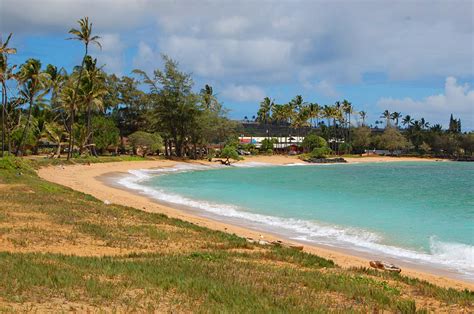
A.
x: 89, y: 179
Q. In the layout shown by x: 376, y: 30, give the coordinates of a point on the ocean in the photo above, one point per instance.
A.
x: 417, y: 212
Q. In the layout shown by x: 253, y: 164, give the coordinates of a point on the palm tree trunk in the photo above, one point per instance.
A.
x: 27, y: 126
x: 71, y: 137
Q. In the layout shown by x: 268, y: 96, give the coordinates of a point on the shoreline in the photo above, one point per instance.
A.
x: 90, y: 179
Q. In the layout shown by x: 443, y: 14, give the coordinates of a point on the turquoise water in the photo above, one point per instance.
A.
x: 415, y: 210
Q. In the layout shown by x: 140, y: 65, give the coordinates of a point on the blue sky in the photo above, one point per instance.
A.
x: 410, y: 56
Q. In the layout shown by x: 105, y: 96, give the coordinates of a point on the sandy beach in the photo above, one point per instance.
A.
x: 89, y: 179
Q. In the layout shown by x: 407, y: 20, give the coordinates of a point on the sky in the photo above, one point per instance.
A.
x: 412, y: 56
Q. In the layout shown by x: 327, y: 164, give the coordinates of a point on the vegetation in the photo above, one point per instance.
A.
x: 88, y: 112
x: 312, y: 141
x: 333, y: 123
x: 145, y: 143
x: 66, y: 251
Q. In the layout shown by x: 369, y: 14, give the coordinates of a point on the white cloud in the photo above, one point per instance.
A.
x: 243, y: 93
x: 457, y: 99
x: 323, y: 87
x: 111, y: 54
x: 146, y: 58
x: 276, y: 41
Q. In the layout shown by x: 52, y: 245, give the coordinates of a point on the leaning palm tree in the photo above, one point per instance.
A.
x: 5, y: 74
x: 34, y: 86
x: 388, y: 116
x: 84, y: 35
x: 54, y: 132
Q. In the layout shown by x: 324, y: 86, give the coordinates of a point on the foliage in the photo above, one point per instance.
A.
x: 105, y: 132
x: 320, y: 152
x: 146, y: 142
x: 361, y: 138
x: 345, y: 148
x: 393, y: 140
x: 267, y: 145
x: 229, y: 152
x: 312, y: 141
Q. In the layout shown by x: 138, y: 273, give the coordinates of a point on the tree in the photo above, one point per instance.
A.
x: 395, y: 116
x: 388, y: 116
x: 145, y: 142
x: 91, y: 92
x: 208, y: 98
x: 312, y: 141
x: 229, y: 152
x: 5, y: 75
x: 407, y: 121
x: 54, y: 132
x: 361, y: 138
x: 105, y: 133
x: 175, y: 106
x: 34, y: 85
x: 393, y: 140
x: 84, y: 35
x: 348, y: 110
x: 264, y: 113
x: 363, y: 116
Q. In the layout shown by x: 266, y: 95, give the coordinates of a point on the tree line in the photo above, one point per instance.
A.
x: 335, y: 124
x: 87, y: 111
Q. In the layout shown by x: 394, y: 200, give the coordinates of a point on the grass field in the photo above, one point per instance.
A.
x: 62, y: 250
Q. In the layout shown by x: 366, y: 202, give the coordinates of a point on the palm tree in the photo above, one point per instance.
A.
x: 424, y: 124
x: 54, y: 132
x: 34, y: 85
x: 363, y: 116
x: 84, y: 34
x: 264, y: 113
x: 92, y: 90
x: 437, y: 128
x: 5, y: 74
x: 388, y: 116
x: 208, y: 98
x: 395, y: 116
x: 407, y: 121
x: 314, y: 112
x: 348, y: 110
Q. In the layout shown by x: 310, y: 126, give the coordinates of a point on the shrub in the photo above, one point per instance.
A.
x: 229, y: 152
x: 312, y: 141
x: 320, y: 152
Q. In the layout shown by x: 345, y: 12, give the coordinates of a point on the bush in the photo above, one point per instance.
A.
x: 312, y: 141
x: 229, y: 152
x: 320, y: 152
